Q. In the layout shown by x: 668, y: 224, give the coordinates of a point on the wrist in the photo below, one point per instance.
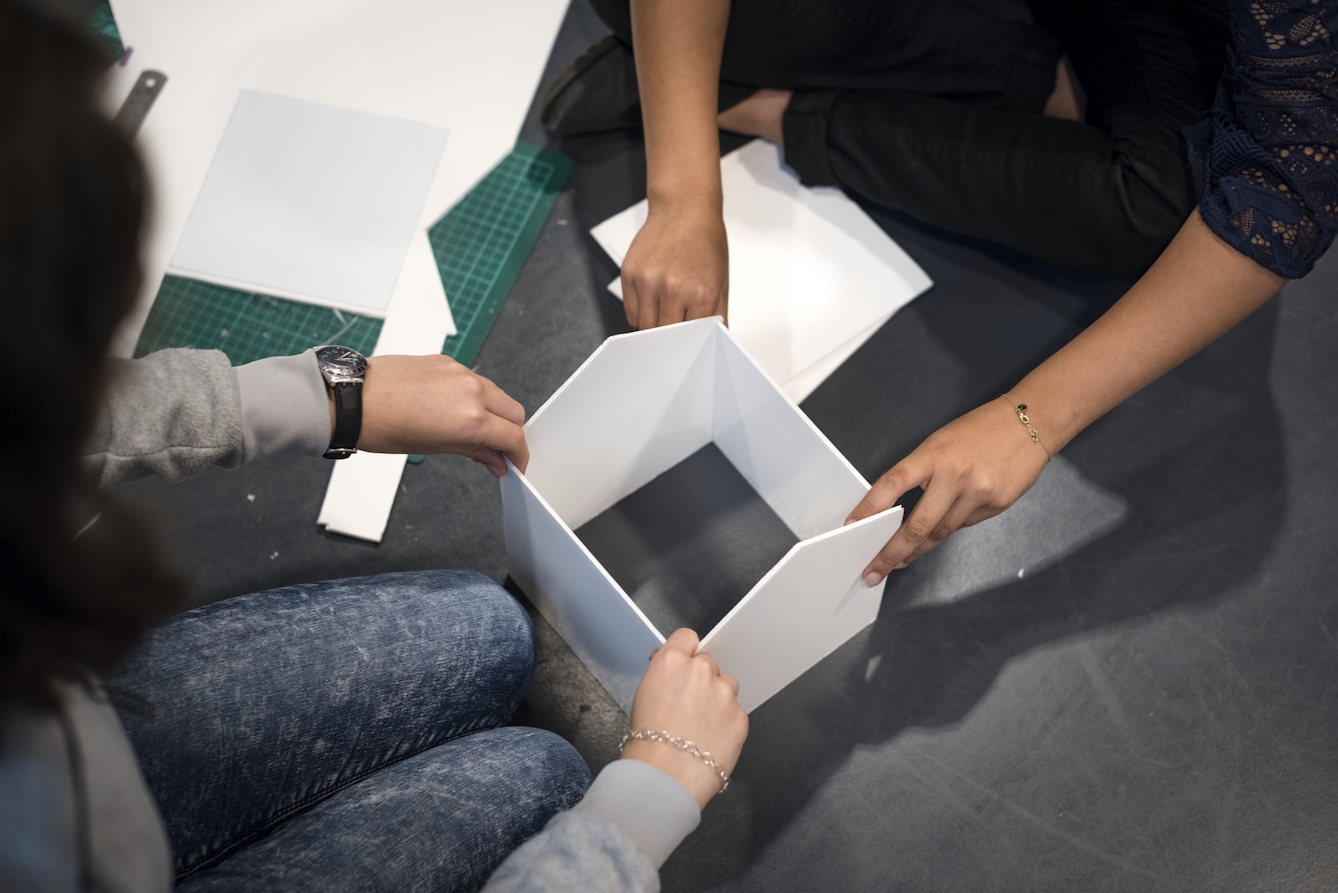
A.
x: 701, y: 200
x: 1056, y: 416
x: 344, y: 371
x: 695, y: 776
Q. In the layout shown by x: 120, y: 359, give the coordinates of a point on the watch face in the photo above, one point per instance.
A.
x: 341, y: 362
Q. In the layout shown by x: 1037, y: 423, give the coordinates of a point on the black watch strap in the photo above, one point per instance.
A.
x: 348, y: 420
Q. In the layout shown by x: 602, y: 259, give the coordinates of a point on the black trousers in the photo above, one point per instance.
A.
x: 932, y: 108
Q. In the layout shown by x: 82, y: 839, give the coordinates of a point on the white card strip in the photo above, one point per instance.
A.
x: 360, y: 495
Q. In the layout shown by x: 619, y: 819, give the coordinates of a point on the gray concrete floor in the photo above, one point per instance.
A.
x: 1125, y: 683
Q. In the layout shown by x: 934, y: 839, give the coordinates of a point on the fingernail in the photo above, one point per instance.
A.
x: 847, y: 522
x: 900, y: 566
x: 871, y: 579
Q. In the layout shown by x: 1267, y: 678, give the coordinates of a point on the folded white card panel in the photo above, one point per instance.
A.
x: 809, y: 605
x: 310, y: 201
x: 572, y: 590
x: 640, y: 405
x: 656, y: 393
x: 811, y: 276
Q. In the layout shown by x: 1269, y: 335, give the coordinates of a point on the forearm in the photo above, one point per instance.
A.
x: 614, y: 840
x: 978, y: 465
x: 173, y: 413
x: 1197, y: 290
x: 177, y: 412
x: 678, y: 46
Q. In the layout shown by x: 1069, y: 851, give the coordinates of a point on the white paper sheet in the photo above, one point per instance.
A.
x: 311, y: 201
x: 811, y: 276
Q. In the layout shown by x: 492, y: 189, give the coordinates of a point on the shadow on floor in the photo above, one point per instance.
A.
x: 1198, y: 460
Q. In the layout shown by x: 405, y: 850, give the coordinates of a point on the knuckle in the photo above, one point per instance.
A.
x: 917, y: 529
x: 882, y: 564
x: 984, y: 476
x: 983, y: 487
x: 896, y: 482
x: 474, y: 418
x: 893, y: 478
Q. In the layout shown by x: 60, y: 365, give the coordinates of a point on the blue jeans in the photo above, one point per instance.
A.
x: 345, y: 736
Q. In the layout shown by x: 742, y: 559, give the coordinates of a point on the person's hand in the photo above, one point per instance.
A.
x: 971, y: 469
x: 677, y: 267
x: 432, y: 404
x: 683, y: 693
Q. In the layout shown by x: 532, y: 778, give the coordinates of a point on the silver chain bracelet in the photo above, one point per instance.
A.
x: 683, y: 745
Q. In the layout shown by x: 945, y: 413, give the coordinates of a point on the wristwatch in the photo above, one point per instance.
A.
x: 344, y: 370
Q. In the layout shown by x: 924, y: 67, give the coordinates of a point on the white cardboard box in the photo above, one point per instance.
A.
x: 642, y: 403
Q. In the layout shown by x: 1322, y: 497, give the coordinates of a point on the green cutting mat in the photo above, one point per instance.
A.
x: 103, y: 28
x: 482, y: 243
x: 245, y: 325
x: 480, y: 246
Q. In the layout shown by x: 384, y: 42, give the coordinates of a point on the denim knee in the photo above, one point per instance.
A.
x: 511, y: 635
x: 500, y: 625
x: 473, y: 617
x: 550, y: 761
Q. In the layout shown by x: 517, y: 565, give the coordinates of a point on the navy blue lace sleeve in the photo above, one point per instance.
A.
x: 1263, y: 158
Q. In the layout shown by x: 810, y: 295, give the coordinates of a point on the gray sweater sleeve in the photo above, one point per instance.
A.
x: 613, y: 841
x: 176, y: 412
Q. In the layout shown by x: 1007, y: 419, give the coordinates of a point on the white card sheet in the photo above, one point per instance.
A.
x: 311, y: 201
x: 811, y: 276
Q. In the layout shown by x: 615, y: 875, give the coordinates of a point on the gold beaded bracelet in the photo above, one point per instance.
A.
x: 683, y: 745
x: 1021, y: 410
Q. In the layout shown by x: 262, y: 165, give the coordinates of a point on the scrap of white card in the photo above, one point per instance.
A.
x: 811, y: 276
x: 310, y: 201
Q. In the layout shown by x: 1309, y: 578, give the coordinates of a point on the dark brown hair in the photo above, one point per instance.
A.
x: 73, y: 597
